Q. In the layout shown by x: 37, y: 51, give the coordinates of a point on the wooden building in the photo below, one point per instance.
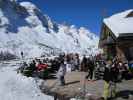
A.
x: 116, y: 37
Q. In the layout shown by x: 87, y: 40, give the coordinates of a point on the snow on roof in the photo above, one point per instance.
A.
x: 120, y: 23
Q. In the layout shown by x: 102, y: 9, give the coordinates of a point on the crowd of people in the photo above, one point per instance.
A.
x: 113, y: 70
x: 61, y: 64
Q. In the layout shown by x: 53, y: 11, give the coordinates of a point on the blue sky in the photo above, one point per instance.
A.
x: 86, y: 13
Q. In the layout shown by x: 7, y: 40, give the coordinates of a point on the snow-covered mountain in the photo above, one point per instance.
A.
x: 23, y: 27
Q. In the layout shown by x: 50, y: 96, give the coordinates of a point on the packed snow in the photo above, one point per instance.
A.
x: 14, y: 86
x: 120, y: 23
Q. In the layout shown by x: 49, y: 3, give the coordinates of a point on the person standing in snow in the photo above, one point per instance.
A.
x: 61, y: 73
x: 72, y: 63
x: 32, y: 66
x: 90, y: 69
x: 106, y: 78
x: 84, y: 63
x: 110, y: 77
x: 68, y: 62
x: 22, y: 55
x: 76, y: 62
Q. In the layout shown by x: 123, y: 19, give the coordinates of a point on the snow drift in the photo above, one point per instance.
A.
x: 14, y: 86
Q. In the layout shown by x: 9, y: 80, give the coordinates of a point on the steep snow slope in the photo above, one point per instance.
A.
x: 24, y: 28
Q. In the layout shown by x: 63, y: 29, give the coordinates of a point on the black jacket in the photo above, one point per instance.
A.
x: 107, y: 75
x: 111, y: 74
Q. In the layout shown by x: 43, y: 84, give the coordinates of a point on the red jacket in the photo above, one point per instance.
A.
x: 41, y: 67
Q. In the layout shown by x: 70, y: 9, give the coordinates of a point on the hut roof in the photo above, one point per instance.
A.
x: 121, y: 23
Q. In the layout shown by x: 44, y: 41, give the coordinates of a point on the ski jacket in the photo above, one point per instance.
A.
x: 41, y: 67
x: 62, y: 70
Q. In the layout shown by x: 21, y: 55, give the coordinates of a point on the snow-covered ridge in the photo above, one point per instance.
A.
x: 28, y: 5
x: 23, y: 27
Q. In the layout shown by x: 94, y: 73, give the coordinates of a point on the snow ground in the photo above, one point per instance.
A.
x: 14, y: 86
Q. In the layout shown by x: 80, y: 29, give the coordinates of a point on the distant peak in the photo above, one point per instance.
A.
x: 83, y: 30
x: 28, y: 5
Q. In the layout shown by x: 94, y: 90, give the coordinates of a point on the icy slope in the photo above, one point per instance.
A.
x: 14, y: 86
x: 24, y: 28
